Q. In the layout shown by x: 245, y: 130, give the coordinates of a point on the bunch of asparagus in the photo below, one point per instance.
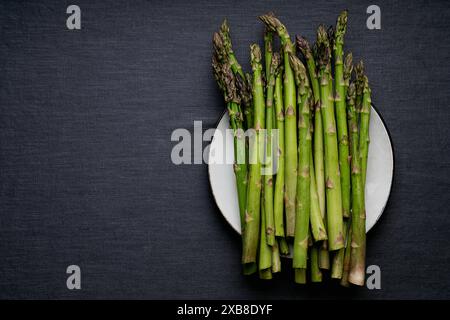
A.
x: 307, y: 185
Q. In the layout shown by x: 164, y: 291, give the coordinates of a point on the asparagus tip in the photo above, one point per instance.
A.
x: 244, y: 90
x: 323, y: 46
x: 270, y: 21
x: 224, y: 27
x: 303, y: 45
x: 218, y: 45
x: 359, y: 69
x: 276, y: 60
x: 255, y: 54
x: 341, y: 23
x: 351, y: 92
x: 348, y: 65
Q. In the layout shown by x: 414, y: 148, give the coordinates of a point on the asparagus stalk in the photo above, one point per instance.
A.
x: 347, y: 255
x: 348, y: 69
x: 351, y: 103
x: 359, y: 70
x: 225, y: 80
x: 252, y: 214
x: 333, y: 183
x: 324, y: 256
x: 341, y: 112
x: 276, y: 261
x: 245, y: 92
x: 240, y: 166
x: 284, y: 247
x: 300, y: 276
x: 279, y: 183
x: 316, y: 273
x: 290, y: 122
x: 303, y: 199
x: 268, y: 52
x: 318, y: 229
x: 268, y: 177
x: 317, y: 225
x: 265, y: 251
x: 358, y: 242
x: 318, y: 150
x: 338, y: 260
x: 265, y: 274
x: 364, y: 138
x: 304, y: 47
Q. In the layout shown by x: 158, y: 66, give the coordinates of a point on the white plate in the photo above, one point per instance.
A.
x: 380, y: 169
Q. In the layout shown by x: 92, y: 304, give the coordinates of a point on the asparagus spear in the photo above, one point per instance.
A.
x: 276, y: 261
x: 317, y: 224
x: 364, y: 138
x: 268, y: 39
x: 300, y: 276
x: 318, y: 229
x: 268, y: 177
x: 303, y: 199
x: 316, y: 273
x: 341, y: 266
x: 279, y: 183
x: 347, y: 255
x: 265, y: 274
x: 324, y: 256
x: 341, y: 112
x: 318, y: 150
x: 290, y: 122
x: 333, y: 183
x: 338, y: 259
x: 225, y: 80
x: 225, y: 35
x: 245, y: 92
x: 252, y: 214
x: 348, y: 69
x: 265, y: 251
x: 284, y: 247
x: 224, y: 51
x: 359, y: 71
x: 224, y: 75
x: 350, y: 99
x: 358, y: 242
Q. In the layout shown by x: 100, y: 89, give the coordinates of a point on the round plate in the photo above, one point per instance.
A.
x: 380, y: 169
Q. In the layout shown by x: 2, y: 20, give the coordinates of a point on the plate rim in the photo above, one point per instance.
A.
x: 390, y: 185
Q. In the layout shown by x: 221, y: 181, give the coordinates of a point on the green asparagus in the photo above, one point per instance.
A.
x: 333, y: 183
x: 338, y: 259
x: 364, y: 138
x: 358, y: 242
x: 303, y: 199
x: 318, y: 146
x: 265, y: 251
x: 278, y: 204
x: 268, y: 174
x: 290, y: 124
x: 341, y: 112
x: 252, y: 214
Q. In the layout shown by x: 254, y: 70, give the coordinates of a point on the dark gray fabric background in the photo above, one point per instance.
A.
x: 85, y: 124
